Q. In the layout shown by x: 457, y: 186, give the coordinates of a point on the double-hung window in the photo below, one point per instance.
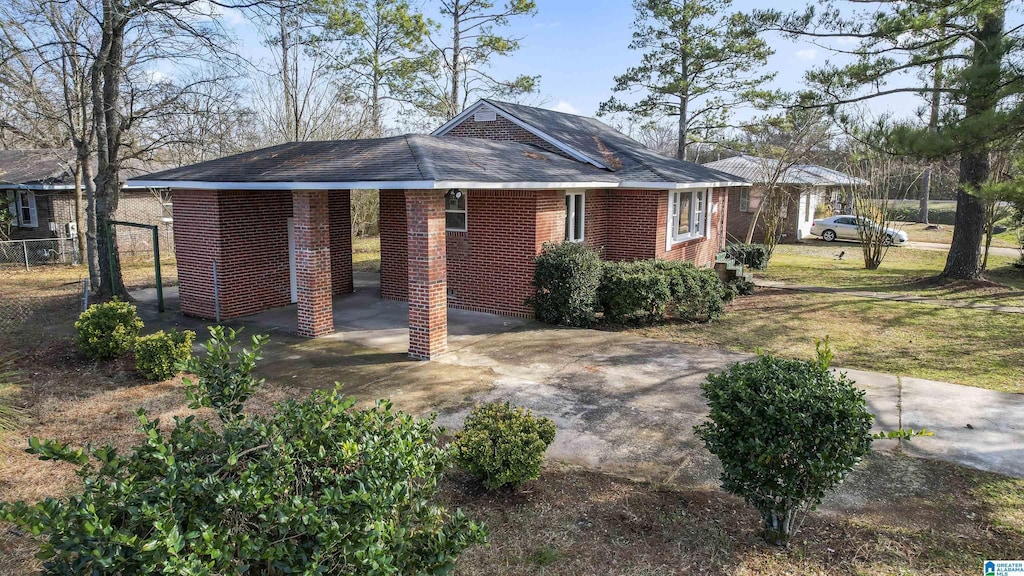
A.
x: 575, y: 211
x: 455, y: 210
x: 687, y: 215
x: 25, y: 208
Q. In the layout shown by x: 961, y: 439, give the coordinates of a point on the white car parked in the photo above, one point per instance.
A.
x: 845, y: 228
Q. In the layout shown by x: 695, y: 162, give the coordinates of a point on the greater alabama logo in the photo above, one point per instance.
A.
x: 1004, y: 568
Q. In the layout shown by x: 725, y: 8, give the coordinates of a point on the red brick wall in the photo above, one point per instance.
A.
x: 197, y: 235
x: 596, y: 220
x: 394, y: 275
x: 428, y: 280
x: 247, y: 233
x: 702, y: 251
x: 500, y: 129
x: 340, y: 202
x: 738, y: 222
x: 312, y: 237
x: 632, y: 232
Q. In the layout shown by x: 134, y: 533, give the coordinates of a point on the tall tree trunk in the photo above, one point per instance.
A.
x: 684, y: 97
x: 984, y: 72
x: 80, y: 221
x: 933, y: 126
x: 290, y: 125
x: 91, y: 248
x: 106, y: 78
x: 456, y: 57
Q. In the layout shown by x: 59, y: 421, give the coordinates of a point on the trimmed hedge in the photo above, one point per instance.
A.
x: 634, y: 292
x: 503, y: 445
x: 648, y: 290
x: 754, y: 256
x: 106, y: 331
x: 566, y: 278
x: 159, y: 355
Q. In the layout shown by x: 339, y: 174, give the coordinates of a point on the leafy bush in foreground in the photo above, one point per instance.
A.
x: 160, y: 355
x: 108, y: 330
x: 502, y: 445
x: 637, y: 292
x: 787, y: 432
x: 566, y: 279
x: 318, y: 487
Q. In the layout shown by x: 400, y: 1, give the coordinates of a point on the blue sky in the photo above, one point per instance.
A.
x: 578, y: 46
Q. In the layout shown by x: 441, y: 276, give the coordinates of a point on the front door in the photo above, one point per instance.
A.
x: 291, y: 261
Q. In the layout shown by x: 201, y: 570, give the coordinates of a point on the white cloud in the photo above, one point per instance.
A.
x: 156, y: 76
x: 564, y: 106
x: 806, y: 54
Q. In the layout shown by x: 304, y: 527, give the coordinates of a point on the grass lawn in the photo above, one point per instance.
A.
x: 970, y: 347
x: 904, y: 270
x: 366, y: 253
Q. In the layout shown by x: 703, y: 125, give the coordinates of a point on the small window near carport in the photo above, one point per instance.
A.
x: 575, y: 212
x: 455, y: 211
x: 27, y: 215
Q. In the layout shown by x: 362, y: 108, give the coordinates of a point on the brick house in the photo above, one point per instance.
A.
x: 463, y: 213
x: 809, y: 189
x: 38, y: 187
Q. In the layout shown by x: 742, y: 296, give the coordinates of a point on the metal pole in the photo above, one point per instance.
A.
x: 156, y: 262
x: 216, y: 293
x: 85, y: 294
x: 24, y: 249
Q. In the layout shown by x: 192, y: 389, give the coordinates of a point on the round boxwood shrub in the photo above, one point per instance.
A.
x: 696, y: 294
x: 634, y: 292
x: 503, y: 445
x: 159, y: 355
x: 566, y: 277
x: 787, y: 432
x: 754, y: 256
x: 108, y: 330
x: 315, y: 487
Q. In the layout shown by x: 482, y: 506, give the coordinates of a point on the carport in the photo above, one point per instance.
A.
x: 271, y: 227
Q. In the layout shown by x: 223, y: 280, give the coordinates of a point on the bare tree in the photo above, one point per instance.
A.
x: 889, y: 180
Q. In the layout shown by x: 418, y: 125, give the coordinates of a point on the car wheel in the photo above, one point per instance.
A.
x: 828, y: 235
x: 887, y: 241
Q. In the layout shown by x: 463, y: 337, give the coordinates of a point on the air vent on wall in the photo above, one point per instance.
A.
x: 484, y: 115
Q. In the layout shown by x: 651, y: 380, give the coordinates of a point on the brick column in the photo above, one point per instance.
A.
x: 310, y: 210
x: 427, y: 266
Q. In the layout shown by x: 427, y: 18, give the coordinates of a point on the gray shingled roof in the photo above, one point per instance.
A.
x: 409, y: 158
x: 630, y: 160
x: 39, y: 167
x: 757, y: 169
x: 53, y: 167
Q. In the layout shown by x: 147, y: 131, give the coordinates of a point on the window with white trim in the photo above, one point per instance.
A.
x: 750, y: 199
x: 455, y: 210
x: 575, y: 212
x: 687, y: 214
x: 25, y: 201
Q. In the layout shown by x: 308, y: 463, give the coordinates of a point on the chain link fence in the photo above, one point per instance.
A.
x: 26, y: 254
x: 136, y: 251
x: 28, y: 313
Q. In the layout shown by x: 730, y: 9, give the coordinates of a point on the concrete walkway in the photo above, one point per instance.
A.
x: 891, y: 296
x: 994, y: 250
x: 621, y: 403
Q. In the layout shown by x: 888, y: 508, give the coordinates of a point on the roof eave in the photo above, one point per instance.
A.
x: 393, y: 185
x: 681, y: 185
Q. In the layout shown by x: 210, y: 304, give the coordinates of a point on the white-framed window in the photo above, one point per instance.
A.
x: 25, y: 208
x: 575, y: 214
x: 687, y: 214
x: 455, y: 210
x: 750, y: 200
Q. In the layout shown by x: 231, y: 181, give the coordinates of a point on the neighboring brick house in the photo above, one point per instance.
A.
x: 38, y: 188
x: 463, y: 214
x: 809, y: 190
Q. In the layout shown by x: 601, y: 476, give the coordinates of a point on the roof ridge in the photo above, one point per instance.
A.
x: 423, y: 161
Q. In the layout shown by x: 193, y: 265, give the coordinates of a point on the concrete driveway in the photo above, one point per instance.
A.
x: 621, y: 403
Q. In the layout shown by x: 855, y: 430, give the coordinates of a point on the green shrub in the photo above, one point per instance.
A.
x: 697, y: 294
x: 740, y: 287
x: 566, y: 279
x: 161, y: 355
x: 224, y: 379
x: 502, y: 445
x: 753, y: 256
x: 634, y: 292
x: 106, y: 331
x: 317, y: 487
x: 787, y: 432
